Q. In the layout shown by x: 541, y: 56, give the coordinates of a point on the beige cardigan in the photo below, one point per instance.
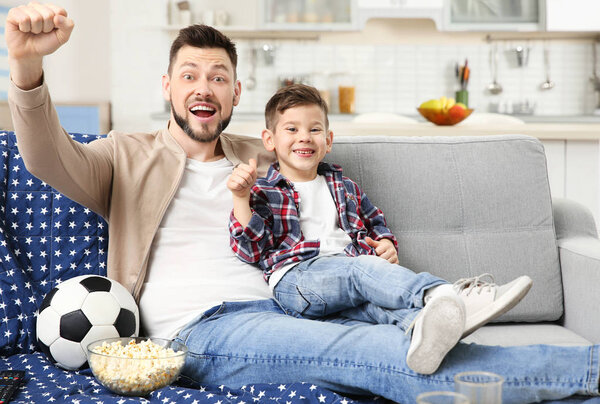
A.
x: 129, y: 179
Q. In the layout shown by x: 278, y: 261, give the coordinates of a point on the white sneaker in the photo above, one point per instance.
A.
x: 485, y: 301
x: 436, y: 330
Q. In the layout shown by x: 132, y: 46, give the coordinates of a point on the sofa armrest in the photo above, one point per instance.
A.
x: 572, y: 219
x: 579, y: 254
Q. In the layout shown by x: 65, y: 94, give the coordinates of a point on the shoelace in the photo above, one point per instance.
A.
x: 475, y: 283
x: 467, y: 285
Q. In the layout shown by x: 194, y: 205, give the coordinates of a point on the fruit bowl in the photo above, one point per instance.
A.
x: 136, y: 366
x: 439, y: 117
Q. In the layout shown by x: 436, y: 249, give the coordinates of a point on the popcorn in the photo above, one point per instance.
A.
x: 135, y: 368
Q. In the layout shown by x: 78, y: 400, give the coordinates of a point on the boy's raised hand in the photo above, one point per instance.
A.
x: 384, y: 248
x: 242, y: 179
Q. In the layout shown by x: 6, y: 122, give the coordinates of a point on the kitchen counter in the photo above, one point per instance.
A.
x: 542, y: 131
x: 581, y: 127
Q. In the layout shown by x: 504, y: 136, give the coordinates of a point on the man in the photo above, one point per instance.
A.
x: 165, y: 197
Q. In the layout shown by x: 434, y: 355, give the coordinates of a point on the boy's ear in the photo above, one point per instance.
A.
x: 329, y: 141
x: 267, y: 138
x: 166, y: 87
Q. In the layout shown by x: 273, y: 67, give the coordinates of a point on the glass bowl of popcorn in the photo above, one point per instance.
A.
x: 136, y: 366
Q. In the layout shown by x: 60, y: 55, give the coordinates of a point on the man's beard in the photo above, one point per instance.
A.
x: 200, y: 137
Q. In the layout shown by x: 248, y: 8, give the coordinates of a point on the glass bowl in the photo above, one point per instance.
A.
x: 136, y: 366
x: 442, y: 118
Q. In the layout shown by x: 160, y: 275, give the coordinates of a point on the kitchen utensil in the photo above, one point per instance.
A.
x: 522, y: 54
x: 250, y: 82
x: 548, y: 84
x: 494, y: 87
x: 268, y: 53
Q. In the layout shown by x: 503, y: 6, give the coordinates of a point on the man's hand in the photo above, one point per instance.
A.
x: 384, y: 248
x: 32, y: 32
x: 242, y: 179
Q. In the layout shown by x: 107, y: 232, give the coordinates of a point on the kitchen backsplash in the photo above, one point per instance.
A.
x: 397, y: 78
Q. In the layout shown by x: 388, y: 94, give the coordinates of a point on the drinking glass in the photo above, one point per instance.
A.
x: 442, y: 397
x: 480, y: 387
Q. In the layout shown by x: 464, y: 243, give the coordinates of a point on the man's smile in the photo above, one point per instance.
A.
x: 204, y: 111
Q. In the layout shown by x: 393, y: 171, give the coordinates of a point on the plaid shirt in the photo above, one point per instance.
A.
x: 273, y: 237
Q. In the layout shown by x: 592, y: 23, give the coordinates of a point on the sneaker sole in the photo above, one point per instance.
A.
x: 509, y: 300
x: 441, y: 329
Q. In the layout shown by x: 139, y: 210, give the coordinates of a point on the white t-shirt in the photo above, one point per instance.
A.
x: 192, y: 267
x: 318, y: 221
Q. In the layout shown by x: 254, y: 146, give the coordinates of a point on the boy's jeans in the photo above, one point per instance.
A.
x: 240, y: 343
x: 323, y: 286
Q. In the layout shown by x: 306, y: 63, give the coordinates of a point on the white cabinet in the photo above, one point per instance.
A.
x: 572, y: 15
x: 431, y: 9
x: 494, y: 15
x: 308, y: 15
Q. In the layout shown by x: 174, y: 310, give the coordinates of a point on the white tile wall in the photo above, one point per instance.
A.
x: 397, y: 78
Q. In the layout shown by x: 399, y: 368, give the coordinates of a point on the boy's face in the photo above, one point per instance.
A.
x: 300, y: 140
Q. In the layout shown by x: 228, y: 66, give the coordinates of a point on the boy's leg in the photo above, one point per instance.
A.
x: 256, y: 342
x: 327, y: 285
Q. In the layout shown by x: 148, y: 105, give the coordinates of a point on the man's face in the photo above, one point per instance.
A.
x: 202, y: 91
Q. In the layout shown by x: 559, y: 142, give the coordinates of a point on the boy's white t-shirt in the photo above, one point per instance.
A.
x: 192, y: 244
x: 318, y: 221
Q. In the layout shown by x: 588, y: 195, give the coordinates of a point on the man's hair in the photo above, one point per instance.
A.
x: 202, y: 36
x: 294, y: 95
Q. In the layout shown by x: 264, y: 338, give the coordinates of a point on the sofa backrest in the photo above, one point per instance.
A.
x: 45, y: 238
x: 463, y: 206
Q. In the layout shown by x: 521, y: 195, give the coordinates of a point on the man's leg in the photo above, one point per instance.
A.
x: 256, y: 342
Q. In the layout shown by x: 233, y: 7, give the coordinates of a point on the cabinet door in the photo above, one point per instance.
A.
x: 572, y: 15
x: 309, y: 15
x: 494, y: 15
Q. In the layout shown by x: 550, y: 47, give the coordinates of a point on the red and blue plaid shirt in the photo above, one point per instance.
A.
x: 273, y: 237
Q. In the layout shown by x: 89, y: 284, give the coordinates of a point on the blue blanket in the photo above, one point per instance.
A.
x: 45, y: 238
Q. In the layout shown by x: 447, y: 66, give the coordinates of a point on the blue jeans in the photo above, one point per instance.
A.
x: 238, y: 343
x: 366, y: 288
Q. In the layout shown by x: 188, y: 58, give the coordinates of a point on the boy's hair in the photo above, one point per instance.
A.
x: 293, y: 96
x: 202, y: 36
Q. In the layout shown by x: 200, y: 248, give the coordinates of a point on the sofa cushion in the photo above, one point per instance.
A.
x: 525, y: 334
x: 463, y: 206
x: 45, y: 238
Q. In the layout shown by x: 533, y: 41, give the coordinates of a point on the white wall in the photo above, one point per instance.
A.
x: 80, y: 70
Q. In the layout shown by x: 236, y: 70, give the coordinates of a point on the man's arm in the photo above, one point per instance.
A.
x: 32, y: 32
x: 82, y: 173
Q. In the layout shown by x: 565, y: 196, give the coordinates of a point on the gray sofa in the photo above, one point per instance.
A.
x: 462, y: 206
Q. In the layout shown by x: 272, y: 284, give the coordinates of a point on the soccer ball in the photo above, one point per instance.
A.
x: 82, y: 310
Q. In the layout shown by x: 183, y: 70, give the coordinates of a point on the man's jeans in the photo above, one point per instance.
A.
x: 239, y: 343
x: 323, y: 286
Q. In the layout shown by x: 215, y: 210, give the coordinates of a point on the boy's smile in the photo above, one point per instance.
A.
x: 300, y: 139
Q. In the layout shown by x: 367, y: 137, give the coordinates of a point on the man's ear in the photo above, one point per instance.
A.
x: 329, y: 140
x: 166, y: 87
x: 237, y: 91
x: 267, y: 138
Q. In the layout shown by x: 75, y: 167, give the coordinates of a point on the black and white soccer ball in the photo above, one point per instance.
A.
x: 82, y: 310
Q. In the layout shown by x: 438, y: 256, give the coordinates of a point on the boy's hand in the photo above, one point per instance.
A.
x: 242, y: 178
x: 384, y: 248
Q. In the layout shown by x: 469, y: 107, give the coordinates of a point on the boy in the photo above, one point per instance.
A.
x: 324, y: 248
